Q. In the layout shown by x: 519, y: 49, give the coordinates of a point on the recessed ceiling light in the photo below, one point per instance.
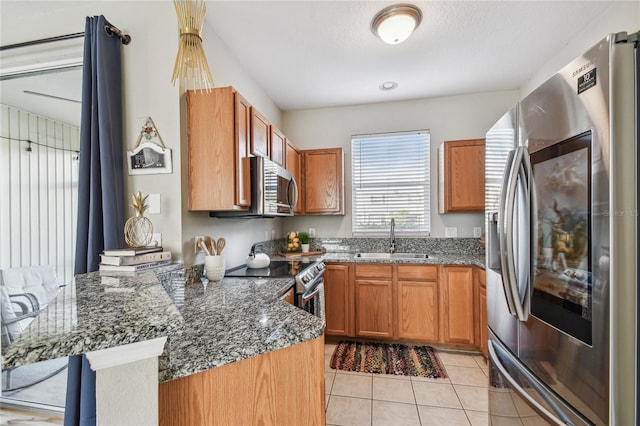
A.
x: 394, y: 24
x: 388, y: 85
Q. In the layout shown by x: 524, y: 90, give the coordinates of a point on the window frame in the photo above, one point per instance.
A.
x: 423, y: 166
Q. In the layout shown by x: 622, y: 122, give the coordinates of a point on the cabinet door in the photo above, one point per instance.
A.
x: 374, y: 301
x: 323, y: 181
x: 294, y: 165
x: 277, y: 146
x: 260, y: 134
x: 482, y: 312
x: 418, y: 313
x: 338, y: 294
x: 212, y: 150
x: 242, y: 169
x: 458, y: 304
x: 463, y: 176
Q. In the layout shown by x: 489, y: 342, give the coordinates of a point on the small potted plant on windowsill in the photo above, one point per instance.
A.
x: 304, y: 241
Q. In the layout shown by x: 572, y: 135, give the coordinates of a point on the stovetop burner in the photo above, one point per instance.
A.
x: 276, y: 269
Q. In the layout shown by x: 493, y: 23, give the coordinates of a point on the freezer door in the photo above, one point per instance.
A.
x: 516, y: 396
x: 500, y: 143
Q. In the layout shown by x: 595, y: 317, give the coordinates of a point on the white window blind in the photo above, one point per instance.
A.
x: 390, y: 176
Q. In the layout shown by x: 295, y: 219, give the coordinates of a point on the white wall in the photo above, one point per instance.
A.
x: 448, y: 118
x: 620, y: 16
x: 239, y: 233
x: 147, y: 66
x: 147, y: 88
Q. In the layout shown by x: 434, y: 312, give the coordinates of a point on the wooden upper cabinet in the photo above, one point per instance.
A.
x: 461, y: 176
x: 458, y: 304
x: 218, y: 126
x: 323, y: 181
x: 293, y: 163
x: 260, y: 134
x: 278, y: 150
x: 243, y: 135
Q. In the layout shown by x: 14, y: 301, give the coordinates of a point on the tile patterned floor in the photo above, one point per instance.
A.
x: 380, y: 399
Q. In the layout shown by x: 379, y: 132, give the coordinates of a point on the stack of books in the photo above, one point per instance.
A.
x: 133, y: 260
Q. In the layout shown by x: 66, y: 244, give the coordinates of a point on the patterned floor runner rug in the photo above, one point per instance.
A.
x: 388, y: 358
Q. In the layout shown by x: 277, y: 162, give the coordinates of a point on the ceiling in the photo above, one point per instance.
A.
x: 308, y: 54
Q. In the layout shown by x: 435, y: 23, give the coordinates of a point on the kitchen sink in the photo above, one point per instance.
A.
x: 392, y: 255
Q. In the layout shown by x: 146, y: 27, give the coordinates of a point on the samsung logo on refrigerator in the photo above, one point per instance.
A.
x: 586, y: 81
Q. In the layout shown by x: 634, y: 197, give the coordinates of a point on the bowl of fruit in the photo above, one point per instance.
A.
x: 293, y: 242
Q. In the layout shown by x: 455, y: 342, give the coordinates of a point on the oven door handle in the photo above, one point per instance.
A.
x: 316, y: 289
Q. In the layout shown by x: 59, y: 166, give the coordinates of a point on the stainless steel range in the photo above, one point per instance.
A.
x: 308, y: 276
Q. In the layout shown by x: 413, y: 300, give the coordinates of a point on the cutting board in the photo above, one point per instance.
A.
x: 300, y: 253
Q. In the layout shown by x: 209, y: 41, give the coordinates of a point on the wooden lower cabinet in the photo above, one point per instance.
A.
x: 458, y: 302
x: 418, y: 313
x: 283, y: 387
x: 483, y: 335
x: 374, y: 313
x: 338, y: 295
x: 417, y: 302
x: 443, y: 304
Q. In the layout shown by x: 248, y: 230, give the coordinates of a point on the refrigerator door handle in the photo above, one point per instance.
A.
x: 517, y: 178
x: 503, y: 232
x: 532, y: 209
x: 550, y: 417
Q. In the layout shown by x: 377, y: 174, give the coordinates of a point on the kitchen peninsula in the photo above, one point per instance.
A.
x: 242, y: 323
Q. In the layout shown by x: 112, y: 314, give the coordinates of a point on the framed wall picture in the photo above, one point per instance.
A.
x: 150, y: 156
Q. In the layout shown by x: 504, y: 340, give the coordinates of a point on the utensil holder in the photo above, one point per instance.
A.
x: 214, y: 266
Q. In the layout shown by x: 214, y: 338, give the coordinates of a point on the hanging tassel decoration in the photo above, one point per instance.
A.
x: 191, y: 63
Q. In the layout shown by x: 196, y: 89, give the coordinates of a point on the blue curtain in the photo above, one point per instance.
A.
x: 100, y: 189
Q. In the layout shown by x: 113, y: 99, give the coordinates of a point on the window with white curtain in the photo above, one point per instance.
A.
x: 390, y: 177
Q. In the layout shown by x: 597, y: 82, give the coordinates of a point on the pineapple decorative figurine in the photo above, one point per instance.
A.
x: 138, y: 230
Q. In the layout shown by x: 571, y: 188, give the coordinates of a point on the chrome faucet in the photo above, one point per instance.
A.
x: 392, y: 236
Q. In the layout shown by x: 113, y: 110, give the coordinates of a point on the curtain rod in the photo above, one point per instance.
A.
x: 109, y: 29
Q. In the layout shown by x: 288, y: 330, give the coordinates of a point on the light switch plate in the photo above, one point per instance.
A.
x: 450, y: 232
x: 154, y: 204
x: 312, y: 232
x: 477, y: 231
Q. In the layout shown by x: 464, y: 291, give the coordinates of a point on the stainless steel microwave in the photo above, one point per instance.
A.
x: 274, y: 192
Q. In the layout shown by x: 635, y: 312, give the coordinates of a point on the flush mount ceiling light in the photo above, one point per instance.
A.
x: 388, y: 85
x: 394, y: 24
x: 191, y: 63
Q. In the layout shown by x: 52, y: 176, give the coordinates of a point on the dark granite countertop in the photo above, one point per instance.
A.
x: 227, y: 321
x: 436, y: 259
x: 230, y: 320
x: 96, y: 311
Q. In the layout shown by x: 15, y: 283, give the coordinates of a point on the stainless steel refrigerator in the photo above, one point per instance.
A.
x: 562, y: 246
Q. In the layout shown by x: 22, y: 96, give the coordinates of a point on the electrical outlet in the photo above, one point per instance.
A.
x: 477, y: 231
x: 450, y: 232
x: 312, y: 232
x: 196, y: 247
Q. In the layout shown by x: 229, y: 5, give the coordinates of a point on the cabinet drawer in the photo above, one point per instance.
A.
x: 417, y: 272
x: 374, y: 271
